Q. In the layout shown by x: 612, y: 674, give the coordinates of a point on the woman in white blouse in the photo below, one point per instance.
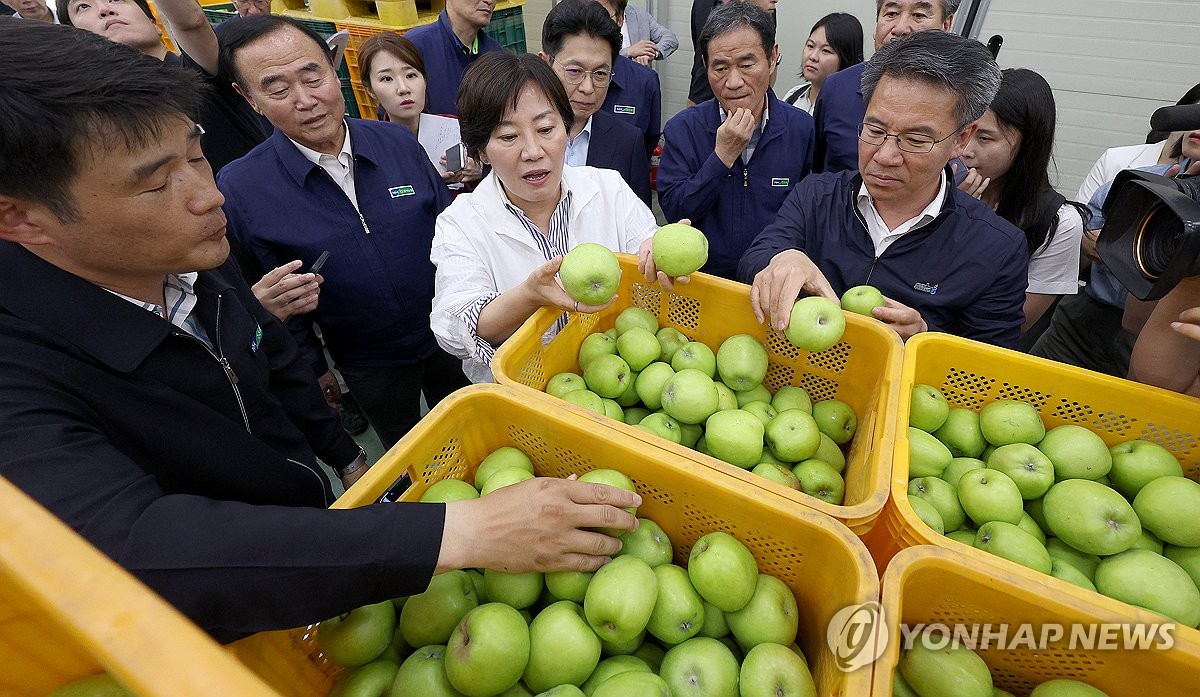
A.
x: 835, y: 43
x: 497, y: 249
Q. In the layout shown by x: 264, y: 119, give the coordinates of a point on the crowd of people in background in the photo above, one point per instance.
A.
x: 204, y: 254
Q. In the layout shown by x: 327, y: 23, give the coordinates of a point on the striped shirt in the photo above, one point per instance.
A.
x: 181, y: 299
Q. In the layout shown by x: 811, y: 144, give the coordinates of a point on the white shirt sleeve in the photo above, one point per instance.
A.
x: 463, y: 285
x: 1054, y: 269
x: 639, y: 219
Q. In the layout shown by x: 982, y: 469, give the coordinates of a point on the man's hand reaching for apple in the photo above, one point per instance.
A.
x: 776, y: 287
x: 542, y: 524
x: 904, y: 319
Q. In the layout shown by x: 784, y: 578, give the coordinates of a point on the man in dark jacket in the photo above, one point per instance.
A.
x: 944, y: 261
x: 151, y: 403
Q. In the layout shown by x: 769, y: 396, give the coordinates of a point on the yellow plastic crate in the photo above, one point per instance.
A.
x: 971, y: 374
x: 926, y: 585
x: 824, y: 565
x: 862, y: 370
x: 67, y: 612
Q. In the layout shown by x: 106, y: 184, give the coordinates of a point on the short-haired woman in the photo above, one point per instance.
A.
x: 835, y: 43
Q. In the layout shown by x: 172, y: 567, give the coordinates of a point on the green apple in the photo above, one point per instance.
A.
x: 726, y: 398
x: 791, y: 397
x: 900, y: 688
x: 430, y: 617
x: 815, y: 324
x: 679, y: 250
x: 1090, y: 517
x: 607, y: 375
x: 651, y: 653
x: 662, y: 426
x: 961, y: 433
x: 1169, y: 507
x: 723, y: 571
x: 587, y: 399
x: 778, y: 474
x: 476, y: 579
x: 358, y: 637
x: 696, y: 356
x: 488, y: 650
x: 639, y: 347
x: 835, y: 419
x: 561, y: 691
x: 820, y: 480
x: 562, y: 383
x: 503, y: 478
x: 942, y: 496
x: 622, y: 648
x: 102, y: 685
x: 770, y: 670
x: 629, y: 397
x: 648, y: 543
x: 715, y: 625
x: 590, y: 273
x: 771, y: 616
x: 735, y: 436
x: 831, y: 453
x: 500, y: 459
x: 563, y: 649
x: 375, y: 679
x: 742, y: 362
x: 633, y: 684
x: 700, y: 667
x: 1029, y: 525
x: 448, y: 490
x: 1061, y: 551
x: 927, y: 456
x: 1010, y: 542
x: 966, y: 537
x: 613, y: 410
x: 758, y: 393
x: 928, y: 408
x: 650, y: 383
x: 616, y: 479
x: 597, y: 344
x: 1150, y: 581
x: 1136, y: 463
x: 635, y: 415
x: 620, y: 598
x: 689, y: 396
x: 929, y: 515
x: 671, y: 340
x: 731, y: 644
x: 678, y: 611
x: 764, y: 411
x: 398, y: 649
x: 960, y: 466
x: 517, y: 690
x: 1188, y: 559
x: 862, y: 299
x: 1028, y: 467
x: 1062, y: 570
x: 611, y: 667
x: 1036, y: 510
x: 792, y: 436
x: 1066, y: 688
x: 611, y: 333
x: 1011, y: 421
x: 769, y: 456
x: 988, y: 495
x: 632, y: 317
x: 1076, y: 452
x: 1149, y: 542
x: 516, y: 590
x: 935, y: 667
x: 568, y: 585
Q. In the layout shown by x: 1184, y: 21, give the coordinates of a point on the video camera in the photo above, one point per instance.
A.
x: 1151, y: 238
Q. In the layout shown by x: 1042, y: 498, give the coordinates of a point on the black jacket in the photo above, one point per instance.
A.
x: 618, y: 146
x: 203, y: 482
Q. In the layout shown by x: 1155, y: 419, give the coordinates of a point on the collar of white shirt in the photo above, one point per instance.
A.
x: 340, y: 168
x: 180, y: 297
x: 577, y: 147
x: 881, y: 236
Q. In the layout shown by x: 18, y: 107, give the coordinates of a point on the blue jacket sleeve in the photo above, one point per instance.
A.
x: 689, y: 173
x: 787, y: 231
x: 996, y: 317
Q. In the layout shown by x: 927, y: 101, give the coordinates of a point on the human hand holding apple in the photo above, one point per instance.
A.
x: 673, y: 254
x: 776, y: 287
x: 907, y: 321
x: 542, y: 288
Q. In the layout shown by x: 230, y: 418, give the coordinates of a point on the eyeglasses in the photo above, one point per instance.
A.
x: 573, y: 75
x: 908, y: 142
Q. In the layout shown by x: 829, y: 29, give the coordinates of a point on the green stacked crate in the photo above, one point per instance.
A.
x: 508, y: 28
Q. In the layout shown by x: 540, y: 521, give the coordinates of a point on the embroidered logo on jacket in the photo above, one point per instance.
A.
x: 257, y: 340
x: 398, y: 191
x: 926, y: 288
x: 780, y: 181
x: 621, y: 109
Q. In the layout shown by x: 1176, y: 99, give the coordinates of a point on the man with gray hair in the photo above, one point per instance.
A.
x: 728, y: 163
x: 943, y: 260
x: 840, y: 108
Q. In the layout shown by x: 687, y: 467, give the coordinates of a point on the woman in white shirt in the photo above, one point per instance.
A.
x: 497, y: 249
x: 393, y: 72
x: 1011, y: 152
x: 835, y: 43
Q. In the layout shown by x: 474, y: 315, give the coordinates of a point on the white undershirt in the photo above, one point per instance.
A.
x: 881, y: 235
x: 340, y: 168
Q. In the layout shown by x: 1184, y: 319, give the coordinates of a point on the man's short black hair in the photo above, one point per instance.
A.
x: 246, y: 30
x: 579, y: 17
x: 732, y: 16
x: 65, y: 94
x: 64, y: 16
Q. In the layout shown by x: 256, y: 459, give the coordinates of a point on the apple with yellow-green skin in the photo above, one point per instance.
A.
x: 488, y: 650
x: 424, y: 673
x: 503, y: 458
x: 620, y: 598
x: 723, y: 571
x: 771, y: 670
x: 862, y: 299
x: 590, y: 273
x: 359, y: 636
x: 815, y: 324
x: 563, y: 649
x: 742, y: 362
x: 934, y: 667
x: 679, y: 249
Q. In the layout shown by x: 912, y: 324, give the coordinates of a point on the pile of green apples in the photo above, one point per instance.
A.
x: 640, y: 625
x: 660, y: 381
x: 1123, y: 521
x: 937, y: 666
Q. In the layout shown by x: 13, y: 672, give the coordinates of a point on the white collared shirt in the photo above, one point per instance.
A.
x: 577, y: 147
x: 180, y: 298
x: 748, y: 151
x: 881, y: 235
x: 340, y: 168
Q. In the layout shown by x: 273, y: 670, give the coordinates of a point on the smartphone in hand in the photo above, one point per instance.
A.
x: 456, y: 157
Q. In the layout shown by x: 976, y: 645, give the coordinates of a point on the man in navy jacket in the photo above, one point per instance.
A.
x: 635, y: 97
x: 729, y: 163
x: 449, y: 46
x: 841, y: 106
x: 943, y: 260
x: 362, y: 190
x: 152, y: 404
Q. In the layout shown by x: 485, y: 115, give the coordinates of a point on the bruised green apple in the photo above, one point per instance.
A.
x: 1151, y: 581
x: 927, y: 456
x: 961, y: 433
x: 590, y: 273
x: 736, y: 437
x: 488, y: 650
x: 620, y: 598
x: 632, y: 317
x: 742, y: 362
x: 597, y: 344
x: 563, y: 649
x: 700, y: 666
x: 1076, y: 452
x: 358, y: 637
x: 500, y: 459
x: 1136, y: 463
x: 1011, y: 421
x: 937, y: 667
x: 679, y: 249
x: 678, y: 610
x: 1090, y: 517
x: 771, y: 670
x: 815, y: 324
x: 771, y: 616
x: 988, y: 495
x: 791, y: 397
x: 424, y: 673
x: 448, y: 490
x: 928, y: 408
x: 1010, y: 542
x: 648, y: 542
x: 1169, y: 507
x: 723, y: 571
x: 429, y: 617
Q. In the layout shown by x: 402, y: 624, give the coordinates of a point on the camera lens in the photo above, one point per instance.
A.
x: 1159, y: 237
